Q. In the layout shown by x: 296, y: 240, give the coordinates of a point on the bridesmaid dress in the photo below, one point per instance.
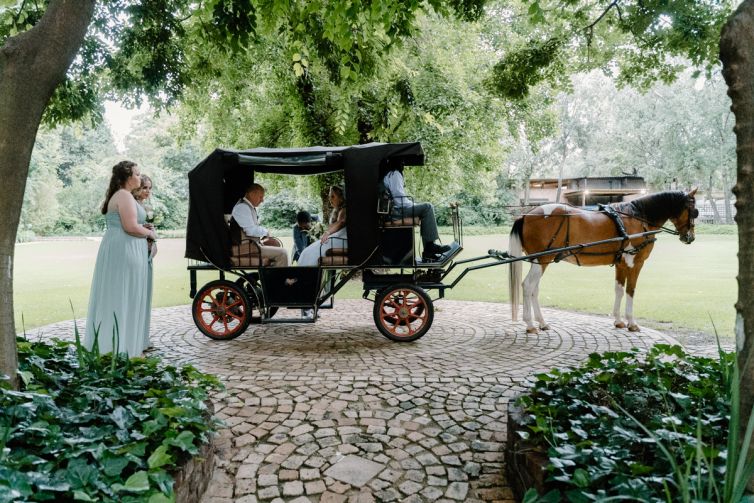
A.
x: 121, y: 289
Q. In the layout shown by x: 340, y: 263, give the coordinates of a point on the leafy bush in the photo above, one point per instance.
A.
x: 474, y: 211
x: 279, y: 210
x: 98, y: 428
x: 603, y: 422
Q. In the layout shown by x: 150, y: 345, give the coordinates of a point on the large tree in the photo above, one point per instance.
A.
x: 32, y: 65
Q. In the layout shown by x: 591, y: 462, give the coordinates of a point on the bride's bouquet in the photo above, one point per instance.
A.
x: 316, y: 230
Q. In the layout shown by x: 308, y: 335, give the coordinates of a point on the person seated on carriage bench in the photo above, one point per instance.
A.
x: 404, y: 207
x: 245, y: 215
x: 301, y: 237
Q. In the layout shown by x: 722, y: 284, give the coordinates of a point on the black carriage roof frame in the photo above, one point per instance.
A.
x: 219, y: 181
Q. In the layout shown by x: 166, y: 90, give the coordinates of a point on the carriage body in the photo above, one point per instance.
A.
x: 382, y: 248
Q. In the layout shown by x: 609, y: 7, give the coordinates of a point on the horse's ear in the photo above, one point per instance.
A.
x: 693, y: 191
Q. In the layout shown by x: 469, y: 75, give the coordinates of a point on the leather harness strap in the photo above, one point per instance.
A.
x: 618, y: 221
x: 621, y: 228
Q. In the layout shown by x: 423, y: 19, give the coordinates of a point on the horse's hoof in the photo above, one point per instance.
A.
x: 620, y: 324
x: 544, y: 326
x: 531, y: 330
x: 634, y: 328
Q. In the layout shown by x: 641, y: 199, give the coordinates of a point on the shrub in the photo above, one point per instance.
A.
x: 98, y: 428
x: 603, y: 422
x: 279, y: 210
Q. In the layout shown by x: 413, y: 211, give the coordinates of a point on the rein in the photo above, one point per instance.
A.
x: 643, y: 220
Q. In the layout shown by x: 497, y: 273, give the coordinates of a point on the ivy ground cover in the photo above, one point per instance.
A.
x: 634, y: 427
x: 86, y: 427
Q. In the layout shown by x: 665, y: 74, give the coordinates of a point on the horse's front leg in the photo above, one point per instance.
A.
x: 530, y: 286
x: 633, y: 277
x: 620, y: 285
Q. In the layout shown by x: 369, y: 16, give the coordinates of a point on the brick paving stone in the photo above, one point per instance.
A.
x: 293, y: 488
x: 300, y: 398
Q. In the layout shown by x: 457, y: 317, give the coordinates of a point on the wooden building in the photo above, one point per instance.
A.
x: 584, y: 191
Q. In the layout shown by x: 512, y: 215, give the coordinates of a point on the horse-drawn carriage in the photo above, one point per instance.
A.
x: 380, y: 246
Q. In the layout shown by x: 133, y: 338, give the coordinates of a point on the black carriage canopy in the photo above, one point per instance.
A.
x: 219, y: 181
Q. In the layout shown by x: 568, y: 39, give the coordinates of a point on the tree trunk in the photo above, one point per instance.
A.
x: 737, y: 55
x: 32, y: 65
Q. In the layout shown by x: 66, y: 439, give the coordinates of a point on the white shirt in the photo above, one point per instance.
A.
x: 394, y: 183
x: 245, y: 214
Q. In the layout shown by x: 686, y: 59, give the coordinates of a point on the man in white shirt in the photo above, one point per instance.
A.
x: 404, y: 207
x: 245, y: 215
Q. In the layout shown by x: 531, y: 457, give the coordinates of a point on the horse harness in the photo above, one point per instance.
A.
x: 621, y: 229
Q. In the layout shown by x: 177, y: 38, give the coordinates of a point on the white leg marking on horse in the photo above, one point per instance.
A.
x: 547, y: 209
x: 632, y: 326
x: 619, y: 290
x: 531, y: 286
x: 628, y: 257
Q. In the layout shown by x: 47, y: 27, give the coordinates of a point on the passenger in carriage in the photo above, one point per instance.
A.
x: 301, y: 237
x: 404, y: 207
x: 335, y: 235
x: 245, y: 215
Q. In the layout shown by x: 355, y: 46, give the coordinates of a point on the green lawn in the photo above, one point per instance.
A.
x: 681, y: 286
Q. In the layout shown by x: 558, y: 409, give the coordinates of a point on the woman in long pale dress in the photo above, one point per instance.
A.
x: 334, y: 237
x: 119, y: 293
x: 142, y: 195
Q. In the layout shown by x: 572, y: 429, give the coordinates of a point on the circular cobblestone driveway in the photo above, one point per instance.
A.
x: 335, y: 412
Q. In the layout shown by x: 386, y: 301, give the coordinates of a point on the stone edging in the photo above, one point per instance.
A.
x: 526, y: 463
x: 192, y: 479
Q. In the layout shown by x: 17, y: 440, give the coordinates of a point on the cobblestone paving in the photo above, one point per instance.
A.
x: 335, y: 412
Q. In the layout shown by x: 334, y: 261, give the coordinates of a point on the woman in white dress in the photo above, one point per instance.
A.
x: 335, y: 235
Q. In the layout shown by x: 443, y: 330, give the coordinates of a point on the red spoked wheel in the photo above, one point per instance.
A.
x: 403, y: 313
x: 221, y: 310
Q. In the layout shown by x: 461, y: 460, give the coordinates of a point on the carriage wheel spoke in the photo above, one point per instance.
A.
x: 392, y: 303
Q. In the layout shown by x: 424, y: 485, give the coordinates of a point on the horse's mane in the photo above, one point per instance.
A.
x: 656, y: 208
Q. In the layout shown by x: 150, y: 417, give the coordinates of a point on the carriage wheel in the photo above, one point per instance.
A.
x: 403, y: 313
x: 221, y: 310
x: 254, y: 294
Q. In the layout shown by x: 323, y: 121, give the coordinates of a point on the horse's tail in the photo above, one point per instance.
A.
x: 515, y: 249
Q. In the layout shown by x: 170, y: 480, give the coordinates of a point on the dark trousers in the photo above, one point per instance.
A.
x: 426, y: 213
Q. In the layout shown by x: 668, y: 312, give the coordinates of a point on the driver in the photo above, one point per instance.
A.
x: 245, y: 215
x: 404, y: 207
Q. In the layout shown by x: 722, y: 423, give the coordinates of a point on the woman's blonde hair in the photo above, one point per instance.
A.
x: 137, y: 192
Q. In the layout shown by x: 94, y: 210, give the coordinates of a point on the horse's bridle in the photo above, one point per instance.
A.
x: 693, y: 214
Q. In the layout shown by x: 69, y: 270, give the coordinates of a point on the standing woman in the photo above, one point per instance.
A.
x: 119, y: 286
x: 334, y: 237
x: 142, y: 195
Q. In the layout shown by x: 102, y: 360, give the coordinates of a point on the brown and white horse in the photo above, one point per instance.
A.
x: 557, y: 225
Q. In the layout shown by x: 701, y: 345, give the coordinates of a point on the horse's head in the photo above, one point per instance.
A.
x: 684, y: 221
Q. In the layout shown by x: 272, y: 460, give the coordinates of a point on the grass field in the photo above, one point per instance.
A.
x: 681, y: 286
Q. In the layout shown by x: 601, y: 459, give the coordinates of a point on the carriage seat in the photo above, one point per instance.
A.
x: 247, y: 254
x: 335, y: 256
x: 402, y: 222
